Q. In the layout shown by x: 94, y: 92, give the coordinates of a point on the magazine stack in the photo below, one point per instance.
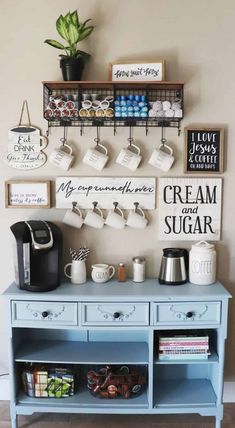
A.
x: 183, y: 347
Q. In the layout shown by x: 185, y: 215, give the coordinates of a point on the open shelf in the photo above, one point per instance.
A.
x: 59, y: 351
x: 82, y: 398
x: 164, y: 91
x: 184, y: 392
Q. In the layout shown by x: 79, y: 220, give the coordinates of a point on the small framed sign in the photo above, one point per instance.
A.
x: 145, y: 71
x: 27, y: 194
x: 204, y: 150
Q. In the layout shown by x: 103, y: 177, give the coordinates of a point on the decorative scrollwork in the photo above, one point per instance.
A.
x: 51, y: 313
x: 111, y: 316
x: 183, y: 315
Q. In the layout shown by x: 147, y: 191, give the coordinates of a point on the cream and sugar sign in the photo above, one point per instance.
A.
x: 105, y: 190
x: 190, y: 208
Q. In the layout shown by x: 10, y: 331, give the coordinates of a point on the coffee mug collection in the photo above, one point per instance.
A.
x: 97, y: 157
x: 115, y: 218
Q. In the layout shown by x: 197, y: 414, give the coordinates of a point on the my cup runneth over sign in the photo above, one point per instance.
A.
x: 25, y: 148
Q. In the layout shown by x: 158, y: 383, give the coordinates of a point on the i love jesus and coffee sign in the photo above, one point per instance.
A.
x: 190, y: 208
x: 204, y: 150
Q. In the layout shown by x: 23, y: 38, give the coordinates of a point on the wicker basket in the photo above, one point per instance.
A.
x: 112, y: 382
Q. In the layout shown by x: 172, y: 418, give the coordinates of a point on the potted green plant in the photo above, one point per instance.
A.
x: 72, y: 62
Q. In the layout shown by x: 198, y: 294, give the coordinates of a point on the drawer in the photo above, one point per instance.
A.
x: 44, y: 313
x: 186, y: 313
x: 115, y: 314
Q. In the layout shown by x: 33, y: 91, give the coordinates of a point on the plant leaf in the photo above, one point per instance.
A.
x: 67, y: 18
x: 73, y: 34
x: 54, y: 43
x: 85, y: 56
x: 62, y: 28
x: 74, y: 18
x: 86, y: 32
x: 84, y: 23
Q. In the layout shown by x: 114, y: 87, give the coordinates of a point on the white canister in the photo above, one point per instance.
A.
x: 202, y: 263
x: 138, y: 269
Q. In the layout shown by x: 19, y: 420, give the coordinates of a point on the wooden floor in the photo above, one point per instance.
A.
x: 50, y: 420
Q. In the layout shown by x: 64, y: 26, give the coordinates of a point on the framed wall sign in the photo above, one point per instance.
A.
x: 105, y: 190
x: 27, y: 194
x: 141, y: 71
x: 190, y: 208
x: 204, y: 150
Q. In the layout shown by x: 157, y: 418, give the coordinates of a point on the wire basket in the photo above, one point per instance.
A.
x: 44, y: 381
x: 114, y: 382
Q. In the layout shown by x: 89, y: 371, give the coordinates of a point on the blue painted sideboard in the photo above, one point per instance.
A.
x: 119, y: 323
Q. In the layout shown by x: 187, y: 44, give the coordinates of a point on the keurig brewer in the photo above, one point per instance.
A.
x: 37, y: 255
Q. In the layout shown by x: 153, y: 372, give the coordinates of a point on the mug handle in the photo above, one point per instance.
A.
x: 136, y: 148
x: 67, y: 147
x: 45, y: 140
x: 65, y: 270
x: 166, y: 147
x: 99, y: 210
x: 120, y: 211
x: 103, y: 148
x: 77, y: 211
x: 113, y: 271
x: 140, y: 210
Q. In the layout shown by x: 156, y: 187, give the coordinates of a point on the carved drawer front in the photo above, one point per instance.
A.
x: 115, y: 314
x: 44, y: 313
x: 187, y: 313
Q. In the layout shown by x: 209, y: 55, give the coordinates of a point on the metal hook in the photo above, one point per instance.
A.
x: 163, y: 140
x: 97, y: 139
x: 94, y: 204
x: 115, y: 205
x: 136, y: 205
x: 130, y: 139
x: 64, y: 139
x: 74, y: 205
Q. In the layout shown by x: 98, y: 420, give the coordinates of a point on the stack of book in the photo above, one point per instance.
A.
x: 183, y: 347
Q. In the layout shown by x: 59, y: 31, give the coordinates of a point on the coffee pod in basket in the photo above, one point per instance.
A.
x: 100, y: 112
x: 109, y: 112
x: 83, y: 112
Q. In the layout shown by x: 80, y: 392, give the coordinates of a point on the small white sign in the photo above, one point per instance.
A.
x: 105, y: 190
x: 151, y: 71
x: 190, y: 209
x: 27, y: 194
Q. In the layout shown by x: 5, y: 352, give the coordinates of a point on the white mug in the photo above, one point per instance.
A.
x: 115, y: 218
x: 101, y: 272
x: 62, y: 157
x: 129, y: 158
x: 73, y: 217
x: 95, y: 158
x: 78, y: 271
x: 161, y: 159
x: 136, y: 219
x: 94, y: 218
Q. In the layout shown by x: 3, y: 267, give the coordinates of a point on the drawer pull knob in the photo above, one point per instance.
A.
x: 116, y: 315
x: 45, y: 314
x: 189, y: 314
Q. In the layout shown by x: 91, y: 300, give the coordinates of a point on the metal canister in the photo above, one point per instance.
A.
x: 138, y: 269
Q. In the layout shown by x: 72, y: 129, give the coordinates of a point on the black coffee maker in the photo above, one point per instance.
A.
x: 38, y: 246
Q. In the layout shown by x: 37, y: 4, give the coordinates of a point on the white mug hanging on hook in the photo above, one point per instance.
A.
x: 202, y: 263
x: 162, y: 157
x: 97, y: 156
x: 73, y: 217
x: 25, y: 145
x: 62, y: 156
x: 130, y: 156
x: 136, y: 218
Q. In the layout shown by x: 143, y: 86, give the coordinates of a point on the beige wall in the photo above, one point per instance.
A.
x: 195, y: 38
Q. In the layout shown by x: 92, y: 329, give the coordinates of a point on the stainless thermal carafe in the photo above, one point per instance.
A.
x: 173, y: 270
